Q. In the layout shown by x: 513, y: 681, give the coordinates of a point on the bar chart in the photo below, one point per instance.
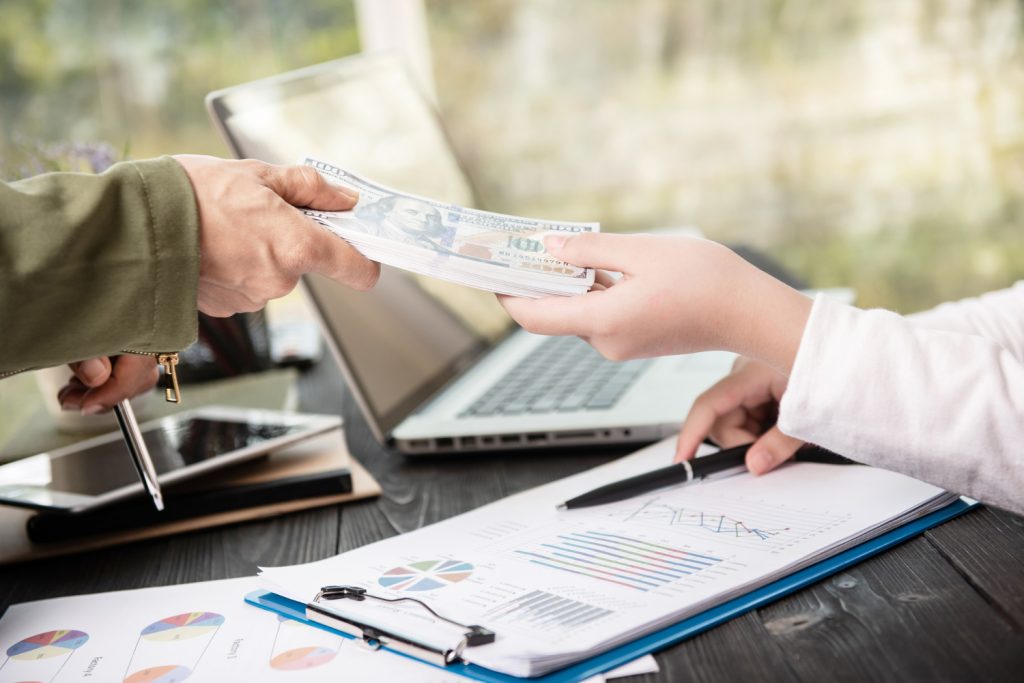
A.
x: 542, y: 610
x: 614, y: 558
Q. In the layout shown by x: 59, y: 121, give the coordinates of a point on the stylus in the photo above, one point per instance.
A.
x: 140, y: 454
x: 725, y: 462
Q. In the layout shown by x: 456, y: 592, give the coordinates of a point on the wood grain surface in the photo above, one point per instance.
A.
x: 946, y: 606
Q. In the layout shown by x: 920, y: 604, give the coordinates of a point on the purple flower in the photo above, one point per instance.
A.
x: 30, y: 157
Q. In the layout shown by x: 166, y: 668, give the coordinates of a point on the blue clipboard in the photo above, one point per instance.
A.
x: 670, y: 635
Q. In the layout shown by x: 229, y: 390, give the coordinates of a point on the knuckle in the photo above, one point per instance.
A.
x: 611, y: 350
x: 256, y: 167
x: 367, y: 277
x: 705, y: 398
x: 268, y: 201
x: 728, y: 396
x: 246, y: 307
x: 294, y: 252
x: 281, y: 286
x: 305, y: 184
x: 308, y: 176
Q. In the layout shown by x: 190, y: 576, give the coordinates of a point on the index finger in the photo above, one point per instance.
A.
x: 707, y: 409
x: 696, y: 427
x: 333, y: 257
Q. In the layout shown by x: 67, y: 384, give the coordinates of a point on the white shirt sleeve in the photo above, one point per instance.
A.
x: 998, y: 316
x: 943, y: 405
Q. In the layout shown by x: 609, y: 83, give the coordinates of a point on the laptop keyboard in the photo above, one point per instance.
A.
x: 562, y: 374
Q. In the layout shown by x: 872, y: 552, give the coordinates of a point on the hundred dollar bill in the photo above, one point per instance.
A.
x: 439, y: 236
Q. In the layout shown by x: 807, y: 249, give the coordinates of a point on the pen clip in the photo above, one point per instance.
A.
x: 377, y: 637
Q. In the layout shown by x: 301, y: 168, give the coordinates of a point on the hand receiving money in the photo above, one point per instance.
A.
x: 489, y: 251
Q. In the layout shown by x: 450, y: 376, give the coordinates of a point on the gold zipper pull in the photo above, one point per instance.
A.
x: 169, y: 361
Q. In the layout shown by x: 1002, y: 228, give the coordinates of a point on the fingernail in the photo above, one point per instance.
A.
x: 760, y: 461
x: 91, y: 370
x: 69, y: 406
x: 92, y: 409
x: 555, y: 242
x: 349, y: 192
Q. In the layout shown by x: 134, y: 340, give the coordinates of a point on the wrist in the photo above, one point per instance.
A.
x: 768, y: 320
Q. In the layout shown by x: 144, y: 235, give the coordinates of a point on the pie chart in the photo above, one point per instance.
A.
x: 302, y: 658
x: 172, y: 673
x: 46, y: 645
x: 183, y: 627
x: 426, y: 575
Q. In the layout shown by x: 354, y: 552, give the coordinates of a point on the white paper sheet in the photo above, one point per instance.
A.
x: 560, y: 586
x: 638, y: 667
x: 200, y: 632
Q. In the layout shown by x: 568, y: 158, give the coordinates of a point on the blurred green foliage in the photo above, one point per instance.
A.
x: 868, y: 143
x: 133, y: 73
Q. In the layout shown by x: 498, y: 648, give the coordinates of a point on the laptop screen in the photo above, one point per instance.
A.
x: 410, y: 335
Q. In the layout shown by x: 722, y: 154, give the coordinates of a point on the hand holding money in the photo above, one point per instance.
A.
x: 677, y: 295
x: 255, y: 244
x: 490, y: 251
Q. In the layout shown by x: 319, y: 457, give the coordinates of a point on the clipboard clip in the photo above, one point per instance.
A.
x: 376, y: 637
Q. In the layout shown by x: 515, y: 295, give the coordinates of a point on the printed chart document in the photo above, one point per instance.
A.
x: 195, y: 632
x: 200, y: 632
x: 561, y: 586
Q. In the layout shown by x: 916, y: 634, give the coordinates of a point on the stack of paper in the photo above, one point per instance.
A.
x: 200, y: 632
x: 489, y: 251
x: 558, y: 587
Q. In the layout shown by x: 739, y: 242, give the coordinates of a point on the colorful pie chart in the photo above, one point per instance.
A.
x: 302, y: 658
x: 183, y: 626
x: 49, y: 644
x: 160, y: 674
x: 426, y: 575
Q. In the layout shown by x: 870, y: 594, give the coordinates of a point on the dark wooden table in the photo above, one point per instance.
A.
x: 946, y: 606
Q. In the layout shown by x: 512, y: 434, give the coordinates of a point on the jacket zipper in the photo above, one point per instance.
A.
x: 169, y: 361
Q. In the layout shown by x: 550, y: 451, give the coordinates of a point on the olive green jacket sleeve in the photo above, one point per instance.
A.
x: 93, y: 265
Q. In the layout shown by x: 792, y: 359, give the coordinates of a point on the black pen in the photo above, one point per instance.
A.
x: 724, y: 463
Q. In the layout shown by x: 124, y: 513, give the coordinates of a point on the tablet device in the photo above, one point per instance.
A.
x: 137, y: 513
x: 100, y: 471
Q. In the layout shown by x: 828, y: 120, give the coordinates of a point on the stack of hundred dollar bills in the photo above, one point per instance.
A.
x: 489, y: 251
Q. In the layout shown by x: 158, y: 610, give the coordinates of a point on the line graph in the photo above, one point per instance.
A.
x: 737, y: 522
x: 713, y: 522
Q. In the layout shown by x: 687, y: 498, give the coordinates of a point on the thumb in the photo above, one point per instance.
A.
x: 592, y: 249
x: 303, y: 186
x: 771, y: 450
x: 92, y: 372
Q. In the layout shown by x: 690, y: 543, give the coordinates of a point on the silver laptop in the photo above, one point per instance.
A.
x: 436, y: 367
